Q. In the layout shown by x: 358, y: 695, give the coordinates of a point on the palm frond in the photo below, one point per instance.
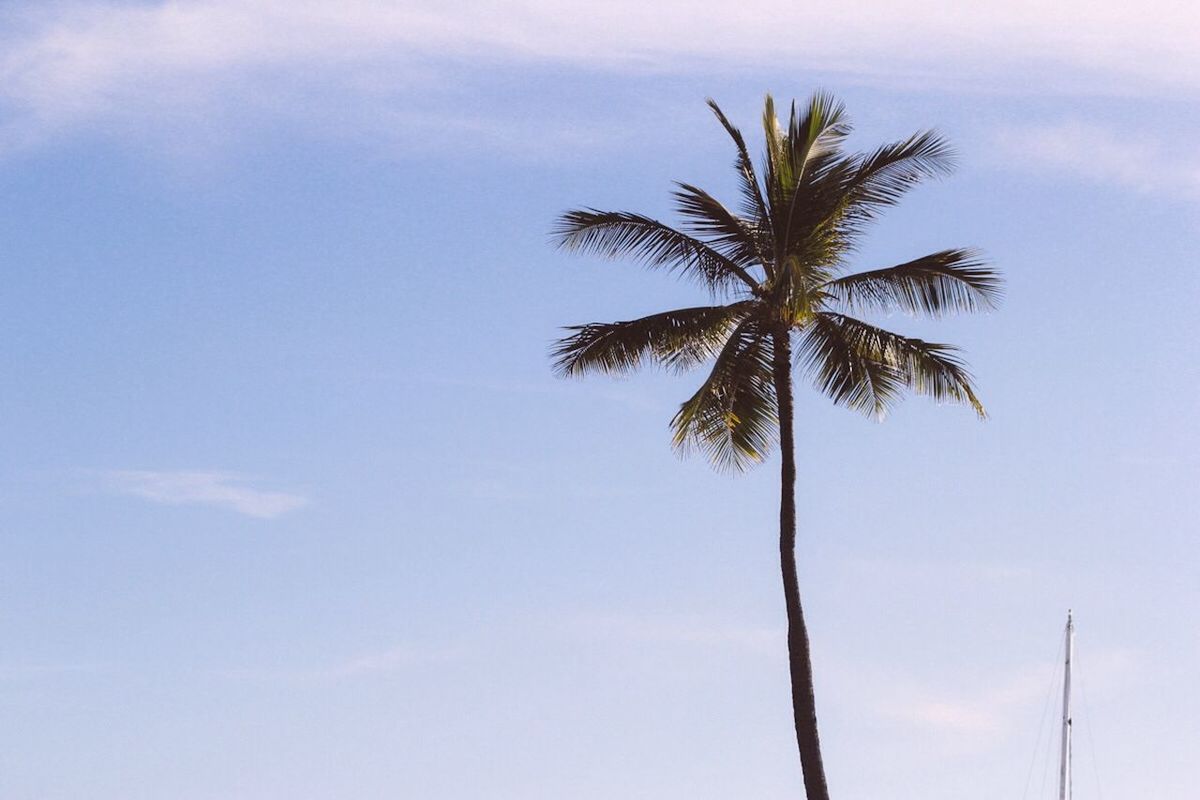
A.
x: 792, y: 157
x: 948, y: 281
x: 676, y: 339
x: 884, y: 176
x: 777, y: 166
x: 733, y: 417
x: 843, y: 372
x: 814, y: 232
x: 721, y: 229
x: 754, y: 205
x: 811, y: 226
x: 616, y: 234
x: 864, y: 367
x: 817, y: 132
x: 841, y: 193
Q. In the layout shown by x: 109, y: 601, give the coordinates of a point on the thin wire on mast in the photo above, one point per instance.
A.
x: 1049, y: 759
x: 1042, y: 725
x: 1087, y: 716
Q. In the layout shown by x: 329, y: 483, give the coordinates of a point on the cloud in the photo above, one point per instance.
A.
x: 926, y: 572
x: 204, y: 66
x: 217, y: 489
x: 693, y: 631
x: 387, y: 661
x: 975, y: 717
x: 25, y: 672
x: 985, y: 712
x: 1098, y: 154
x: 380, y: 663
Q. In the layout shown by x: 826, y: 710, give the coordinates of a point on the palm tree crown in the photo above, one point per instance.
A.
x: 777, y: 266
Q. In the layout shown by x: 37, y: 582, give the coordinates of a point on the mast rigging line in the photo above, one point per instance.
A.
x: 1037, y: 745
x: 1087, y: 723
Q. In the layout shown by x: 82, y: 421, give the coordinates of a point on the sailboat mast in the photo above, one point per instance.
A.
x: 1064, y: 774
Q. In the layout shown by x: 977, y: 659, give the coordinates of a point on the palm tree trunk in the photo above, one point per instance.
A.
x: 804, y: 707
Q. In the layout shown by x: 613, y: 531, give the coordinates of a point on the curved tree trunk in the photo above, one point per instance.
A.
x: 804, y: 707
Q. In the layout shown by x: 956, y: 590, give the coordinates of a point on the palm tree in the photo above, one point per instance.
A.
x: 777, y: 268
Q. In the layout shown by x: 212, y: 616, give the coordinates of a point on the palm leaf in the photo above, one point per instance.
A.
x: 733, y: 417
x: 814, y: 232
x: 817, y: 132
x: 863, y: 367
x: 675, y: 339
x: 811, y: 142
x: 753, y: 203
x: 883, y: 177
x: 727, y: 233
x: 776, y: 165
x: 843, y: 372
x: 842, y: 193
x: 616, y: 234
x: 944, y: 282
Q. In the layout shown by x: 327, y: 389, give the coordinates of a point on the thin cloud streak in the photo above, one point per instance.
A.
x: 1099, y: 155
x: 689, y: 631
x: 974, y: 718
x: 67, y: 67
x: 983, y: 714
x: 387, y: 661
x: 215, y: 489
x: 376, y: 664
x: 44, y: 671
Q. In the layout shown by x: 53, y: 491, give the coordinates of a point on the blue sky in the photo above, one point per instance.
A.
x: 292, y: 506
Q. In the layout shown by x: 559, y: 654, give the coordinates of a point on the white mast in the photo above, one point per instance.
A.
x: 1064, y: 775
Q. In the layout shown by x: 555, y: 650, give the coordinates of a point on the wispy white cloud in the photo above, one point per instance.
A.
x: 913, y: 572
x: 966, y: 717
x: 378, y: 663
x: 693, y: 631
x: 202, y: 65
x: 387, y: 661
x: 1141, y: 162
x: 984, y: 712
x: 218, y: 489
x: 39, y: 671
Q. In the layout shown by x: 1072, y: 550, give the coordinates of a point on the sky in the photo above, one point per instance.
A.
x: 292, y: 505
